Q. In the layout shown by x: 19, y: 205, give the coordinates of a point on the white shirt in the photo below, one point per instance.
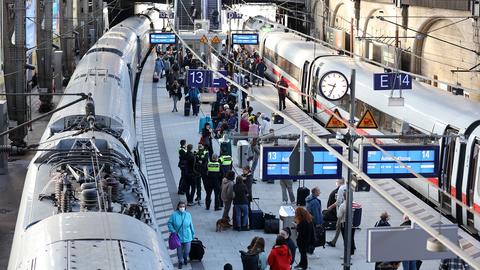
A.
x: 340, y: 193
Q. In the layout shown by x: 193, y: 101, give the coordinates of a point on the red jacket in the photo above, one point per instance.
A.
x: 280, y: 258
x: 282, y: 87
x: 244, y: 125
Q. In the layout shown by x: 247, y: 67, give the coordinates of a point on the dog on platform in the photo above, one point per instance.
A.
x: 222, y: 224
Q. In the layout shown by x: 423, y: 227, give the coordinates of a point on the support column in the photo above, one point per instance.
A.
x: 98, y: 15
x: 44, y: 53
x: 67, y: 41
x: 15, y: 60
x: 82, y: 15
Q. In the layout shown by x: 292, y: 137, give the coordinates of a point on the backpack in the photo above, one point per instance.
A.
x: 250, y: 261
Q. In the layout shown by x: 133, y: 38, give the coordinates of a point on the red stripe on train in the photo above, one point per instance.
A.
x: 433, y: 181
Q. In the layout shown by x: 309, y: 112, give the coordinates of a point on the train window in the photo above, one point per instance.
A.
x: 103, y: 49
x: 283, y: 63
x: 473, y: 171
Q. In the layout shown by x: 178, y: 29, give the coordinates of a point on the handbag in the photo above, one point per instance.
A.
x: 173, y: 239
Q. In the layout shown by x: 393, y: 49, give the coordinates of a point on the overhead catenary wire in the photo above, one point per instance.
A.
x: 366, y: 60
x: 442, y: 239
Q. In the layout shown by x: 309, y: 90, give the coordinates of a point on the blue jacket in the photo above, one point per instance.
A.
x: 159, y: 65
x: 314, y: 207
x: 193, y: 94
x: 185, y: 232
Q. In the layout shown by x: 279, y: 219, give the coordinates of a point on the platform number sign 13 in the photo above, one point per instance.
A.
x: 197, y: 78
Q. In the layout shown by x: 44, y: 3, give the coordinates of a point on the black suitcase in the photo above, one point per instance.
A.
x: 330, y: 225
x: 319, y: 234
x: 277, y: 119
x: 197, y: 250
x: 302, y: 194
x: 272, y: 226
x: 256, y: 219
x: 186, y: 107
x: 357, y: 214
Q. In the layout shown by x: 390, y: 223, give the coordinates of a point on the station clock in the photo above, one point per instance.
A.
x: 333, y: 85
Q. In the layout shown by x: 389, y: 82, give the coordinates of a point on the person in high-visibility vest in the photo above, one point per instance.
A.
x: 226, y: 163
x: 182, y: 152
x: 201, y: 161
x: 212, y: 183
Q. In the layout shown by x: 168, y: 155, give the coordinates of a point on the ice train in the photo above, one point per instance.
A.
x: 427, y: 110
x: 85, y: 203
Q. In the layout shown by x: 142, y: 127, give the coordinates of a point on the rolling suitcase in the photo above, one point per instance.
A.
x: 272, y: 224
x: 277, y: 119
x: 197, y: 250
x: 357, y: 214
x: 256, y: 219
x: 302, y: 194
x: 186, y: 107
x: 319, y: 233
x: 204, y: 120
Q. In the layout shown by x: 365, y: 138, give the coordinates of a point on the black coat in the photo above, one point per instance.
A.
x: 240, y: 191
x: 305, y: 234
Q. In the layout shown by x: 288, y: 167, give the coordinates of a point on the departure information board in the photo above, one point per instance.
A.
x: 245, y: 39
x: 162, y: 38
x: 422, y: 159
x: 275, y: 163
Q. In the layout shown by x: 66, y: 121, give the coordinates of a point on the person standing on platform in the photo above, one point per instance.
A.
x: 339, y: 200
x: 280, y: 256
x: 240, y: 204
x: 341, y: 215
x: 159, y: 66
x: 314, y: 206
x: 201, y: 161
x: 207, y: 139
x: 282, y: 88
x: 408, y: 265
x: 194, y: 96
x: 214, y: 176
x: 287, y: 185
x: 182, y: 151
x: 181, y: 223
x: 176, y: 94
x: 286, y: 233
x: 260, y: 70
x: 304, y: 222
x: 166, y: 64
x: 190, y: 175
x: 227, y: 193
x: 226, y: 163
x: 254, y: 154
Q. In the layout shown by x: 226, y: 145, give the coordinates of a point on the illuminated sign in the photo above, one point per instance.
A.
x: 275, y: 163
x: 245, y: 39
x: 422, y: 159
x: 162, y: 38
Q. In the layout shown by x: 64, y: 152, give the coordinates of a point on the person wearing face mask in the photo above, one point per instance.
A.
x: 180, y: 222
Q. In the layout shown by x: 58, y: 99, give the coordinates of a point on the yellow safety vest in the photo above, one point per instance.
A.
x: 226, y: 160
x: 213, y: 166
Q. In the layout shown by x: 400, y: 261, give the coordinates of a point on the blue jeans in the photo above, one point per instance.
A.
x: 409, y: 265
x: 183, y: 251
x: 241, y: 217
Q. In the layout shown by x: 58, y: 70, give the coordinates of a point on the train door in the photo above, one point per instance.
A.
x: 447, y: 160
x: 473, y: 174
x: 305, y: 83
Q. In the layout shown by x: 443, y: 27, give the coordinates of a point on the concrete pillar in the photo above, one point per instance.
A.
x: 15, y: 59
x: 98, y: 17
x: 44, y: 53
x: 82, y: 29
x: 67, y: 41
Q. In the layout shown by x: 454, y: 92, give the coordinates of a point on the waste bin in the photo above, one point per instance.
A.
x: 242, y: 152
x: 287, y: 216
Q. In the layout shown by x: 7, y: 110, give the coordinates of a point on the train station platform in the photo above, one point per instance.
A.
x: 159, y: 131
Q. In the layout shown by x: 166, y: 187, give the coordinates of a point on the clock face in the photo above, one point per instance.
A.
x: 333, y: 85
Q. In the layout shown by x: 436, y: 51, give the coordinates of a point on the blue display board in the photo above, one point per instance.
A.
x: 275, y: 163
x: 162, y: 38
x: 205, y: 78
x: 245, y: 39
x: 391, y: 81
x: 423, y: 159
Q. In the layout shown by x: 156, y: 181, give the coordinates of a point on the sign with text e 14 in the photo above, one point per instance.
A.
x: 392, y: 81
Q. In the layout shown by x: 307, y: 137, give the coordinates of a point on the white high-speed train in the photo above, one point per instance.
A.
x: 426, y: 111
x: 85, y: 203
